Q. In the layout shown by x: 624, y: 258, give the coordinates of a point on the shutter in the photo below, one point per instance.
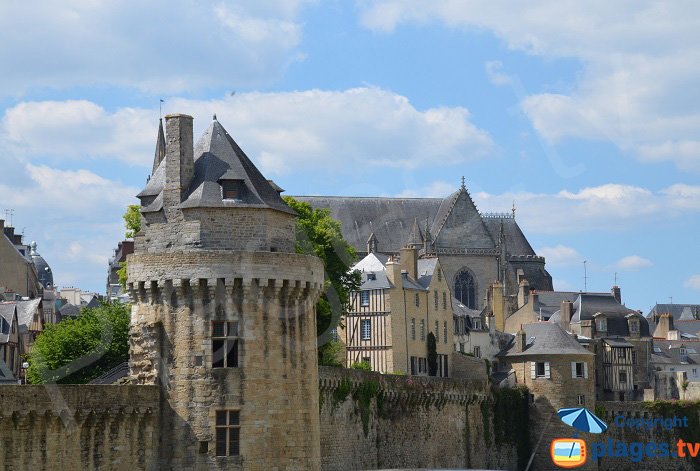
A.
x: 573, y: 369
x: 585, y: 370
x: 533, y: 370
x: 546, y: 369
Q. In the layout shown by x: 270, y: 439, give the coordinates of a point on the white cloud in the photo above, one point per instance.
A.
x: 633, y: 263
x: 161, y: 46
x: 561, y: 256
x: 281, y: 131
x: 437, y: 189
x: 639, y: 65
x: 693, y: 282
x: 610, y: 206
x: 495, y: 74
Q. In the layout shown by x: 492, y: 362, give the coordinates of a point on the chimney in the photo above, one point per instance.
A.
x: 409, y: 261
x: 179, y: 158
x: 565, y: 312
x: 520, y: 340
x: 523, y: 293
x: 664, y: 326
x: 393, y: 271
x: 498, y: 306
x: 616, y: 293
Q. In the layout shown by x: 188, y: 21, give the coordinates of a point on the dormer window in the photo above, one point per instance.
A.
x: 683, y: 355
x: 601, y: 323
x: 634, y: 326
x: 232, y: 189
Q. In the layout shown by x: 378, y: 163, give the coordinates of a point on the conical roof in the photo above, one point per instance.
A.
x: 160, y: 147
x: 43, y: 270
x: 218, y: 158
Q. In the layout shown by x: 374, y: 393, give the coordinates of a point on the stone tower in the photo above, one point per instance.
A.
x: 223, y: 314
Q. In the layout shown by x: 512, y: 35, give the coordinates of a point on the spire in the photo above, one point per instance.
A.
x: 427, y: 240
x: 513, y: 209
x: 463, y: 187
x: 415, y: 238
x: 160, y: 147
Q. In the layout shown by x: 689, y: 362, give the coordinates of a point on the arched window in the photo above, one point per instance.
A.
x: 465, y: 288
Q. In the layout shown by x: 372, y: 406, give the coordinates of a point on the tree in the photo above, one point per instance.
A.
x: 317, y: 233
x: 76, y: 351
x: 132, y: 222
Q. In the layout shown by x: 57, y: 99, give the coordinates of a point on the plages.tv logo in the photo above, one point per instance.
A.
x: 573, y: 452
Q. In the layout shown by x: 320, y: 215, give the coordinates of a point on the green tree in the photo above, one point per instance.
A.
x: 132, y: 222
x: 76, y: 351
x: 432, y: 354
x: 317, y: 233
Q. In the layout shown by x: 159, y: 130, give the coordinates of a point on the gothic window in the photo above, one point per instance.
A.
x: 465, y: 289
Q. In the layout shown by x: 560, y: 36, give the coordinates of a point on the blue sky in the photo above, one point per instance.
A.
x: 586, y: 115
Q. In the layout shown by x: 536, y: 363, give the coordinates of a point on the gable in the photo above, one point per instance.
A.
x: 463, y: 226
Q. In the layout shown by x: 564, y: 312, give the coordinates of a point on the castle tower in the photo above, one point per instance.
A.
x: 223, y: 314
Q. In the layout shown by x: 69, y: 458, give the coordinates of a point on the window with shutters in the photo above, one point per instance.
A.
x: 540, y: 370
x: 579, y: 369
x: 228, y: 428
x: 224, y: 344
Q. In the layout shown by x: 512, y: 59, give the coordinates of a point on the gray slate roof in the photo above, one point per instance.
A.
x: 6, y: 376
x: 25, y: 313
x: 670, y: 351
x: 217, y: 157
x: 549, y: 339
x: 392, y: 220
x: 380, y: 281
x: 587, y: 305
x: 7, y: 313
x: 687, y: 327
x: 549, y: 303
x: 684, y: 312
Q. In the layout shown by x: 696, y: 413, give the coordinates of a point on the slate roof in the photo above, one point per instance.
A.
x: 7, y: 313
x: 392, y: 220
x: 375, y: 280
x: 26, y: 311
x: 684, y: 312
x: 69, y: 309
x: 549, y: 303
x: 670, y: 351
x: 217, y: 157
x: 687, y: 327
x: 426, y: 268
x: 546, y: 338
x: 587, y: 305
x: 371, y: 263
x: 6, y: 376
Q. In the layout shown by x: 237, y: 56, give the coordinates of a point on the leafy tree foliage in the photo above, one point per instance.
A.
x: 132, y: 221
x: 76, y: 351
x: 317, y: 233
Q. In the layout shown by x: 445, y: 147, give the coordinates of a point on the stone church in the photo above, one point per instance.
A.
x: 474, y: 249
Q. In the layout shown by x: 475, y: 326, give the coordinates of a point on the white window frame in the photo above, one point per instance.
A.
x: 477, y: 351
x: 581, y: 400
x: 364, y: 298
x: 366, y: 329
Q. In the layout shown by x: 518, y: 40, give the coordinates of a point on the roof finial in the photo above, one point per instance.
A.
x: 513, y: 209
x: 160, y: 107
x: 214, y: 117
x: 463, y: 187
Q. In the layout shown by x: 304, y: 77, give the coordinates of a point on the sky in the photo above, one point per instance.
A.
x: 584, y: 115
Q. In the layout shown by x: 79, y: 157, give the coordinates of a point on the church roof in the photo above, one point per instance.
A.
x: 392, y: 220
x: 219, y: 158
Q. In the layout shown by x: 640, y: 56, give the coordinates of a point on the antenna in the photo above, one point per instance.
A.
x: 585, y: 277
x: 671, y: 299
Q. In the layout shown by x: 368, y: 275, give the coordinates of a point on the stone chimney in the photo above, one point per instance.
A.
x: 520, y: 340
x: 179, y: 158
x: 393, y: 271
x: 616, y: 293
x: 498, y: 307
x: 664, y: 326
x: 409, y: 261
x: 565, y: 312
x: 523, y: 293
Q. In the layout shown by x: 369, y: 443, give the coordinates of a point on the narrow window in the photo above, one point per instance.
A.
x: 224, y: 344
x: 228, y: 426
x: 366, y: 329
x: 444, y: 332
x: 581, y: 401
x: 437, y: 331
x: 444, y: 300
x: 477, y: 352
x: 601, y: 324
x: 634, y: 357
x: 634, y: 326
x: 422, y: 329
x: 414, y: 368
x: 364, y: 298
x: 623, y: 376
x: 439, y: 275
x: 334, y: 335
x: 417, y: 300
x: 413, y: 328
x: 435, y: 298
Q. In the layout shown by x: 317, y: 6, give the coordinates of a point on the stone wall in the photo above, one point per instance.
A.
x: 79, y: 427
x: 373, y: 421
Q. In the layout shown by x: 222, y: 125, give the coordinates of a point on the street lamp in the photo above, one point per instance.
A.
x: 23, y: 379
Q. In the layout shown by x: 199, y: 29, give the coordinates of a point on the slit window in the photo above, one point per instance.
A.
x: 224, y: 344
